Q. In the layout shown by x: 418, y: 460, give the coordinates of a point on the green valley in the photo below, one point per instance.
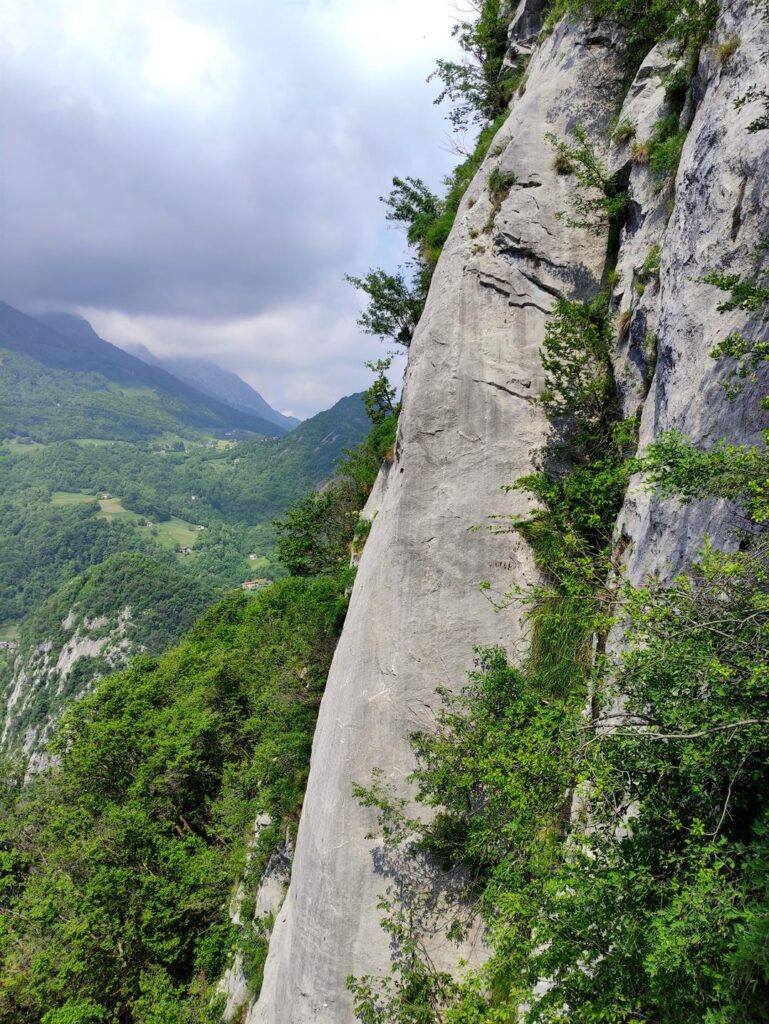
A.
x: 130, y: 502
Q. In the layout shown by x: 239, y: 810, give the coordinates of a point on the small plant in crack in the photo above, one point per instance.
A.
x: 597, y: 199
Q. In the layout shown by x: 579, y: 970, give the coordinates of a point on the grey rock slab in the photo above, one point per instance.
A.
x: 468, y: 426
x: 645, y: 225
x: 719, y: 219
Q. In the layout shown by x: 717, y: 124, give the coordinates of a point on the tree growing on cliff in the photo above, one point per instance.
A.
x: 379, y: 398
x: 480, y: 84
x: 394, y: 305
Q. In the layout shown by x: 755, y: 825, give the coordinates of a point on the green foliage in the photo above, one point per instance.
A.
x: 379, y: 397
x: 751, y: 295
x: 79, y: 1011
x: 579, y: 493
x: 161, y: 602
x: 496, y: 772
x: 663, y: 890
x: 725, y: 50
x: 664, y: 148
x: 650, y: 351
x: 579, y: 381
x: 650, y: 902
x: 42, y: 547
x: 411, y: 203
x: 500, y: 183
x: 754, y: 94
x: 395, y: 302
x: 315, y: 535
x: 739, y: 473
x: 253, y: 945
x: 650, y: 269
x: 394, y: 305
x: 580, y: 505
x: 677, y: 84
x: 47, y: 404
x: 647, y: 21
x: 597, y: 200
x: 624, y: 131
x: 571, y: 535
x: 479, y: 85
x: 235, y: 490
x: 117, y: 866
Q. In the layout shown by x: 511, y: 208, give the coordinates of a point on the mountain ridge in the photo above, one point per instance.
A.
x: 98, y: 369
x: 212, y: 379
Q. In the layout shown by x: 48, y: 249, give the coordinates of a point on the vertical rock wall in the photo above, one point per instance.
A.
x: 719, y: 217
x: 469, y: 425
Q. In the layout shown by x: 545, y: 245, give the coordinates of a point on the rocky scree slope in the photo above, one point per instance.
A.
x: 470, y: 423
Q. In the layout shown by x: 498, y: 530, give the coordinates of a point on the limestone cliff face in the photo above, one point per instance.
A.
x: 470, y: 424
x: 719, y: 218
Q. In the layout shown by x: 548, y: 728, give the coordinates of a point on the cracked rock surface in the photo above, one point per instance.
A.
x: 468, y: 426
x: 470, y: 423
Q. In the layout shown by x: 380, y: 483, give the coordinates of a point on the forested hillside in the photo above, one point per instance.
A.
x: 57, y: 386
x: 65, y: 505
x: 131, y: 603
x: 118, y: 864
x: 135, y: 476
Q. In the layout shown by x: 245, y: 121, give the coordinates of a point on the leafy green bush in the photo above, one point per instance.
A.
x: 739, y: 473
x: 394, y: 305
x: 624, y: 861
x: 650, y: 269
x: 315, y: 535
x: 500, y: 183
x: 664, y: 148
x: 480, y: 84
x: 624, y: 131
x: 579, y: 394
x: 597, y: 200
x: 496, y: 771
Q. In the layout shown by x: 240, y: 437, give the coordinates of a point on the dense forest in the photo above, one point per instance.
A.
x: 119, y: 862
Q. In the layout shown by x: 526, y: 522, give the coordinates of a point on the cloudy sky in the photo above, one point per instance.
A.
x: 197, y: 175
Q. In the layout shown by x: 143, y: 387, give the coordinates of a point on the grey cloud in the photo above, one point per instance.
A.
x: 121, y: 200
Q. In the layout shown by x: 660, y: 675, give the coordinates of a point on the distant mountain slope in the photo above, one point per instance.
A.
x: 321, y: 438
x: 93, y: 625
x: 280, y: 472
x: 218, y: 383
x: 55, y: 386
